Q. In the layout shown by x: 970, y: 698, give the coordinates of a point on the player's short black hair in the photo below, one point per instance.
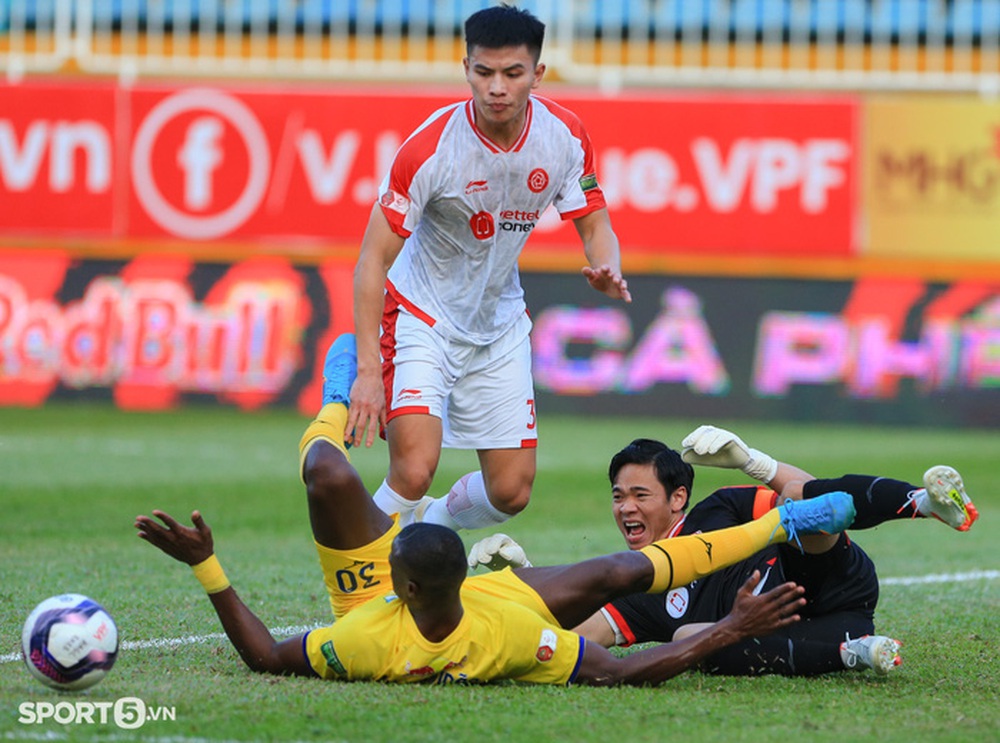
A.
x: 671, y: 470
x: 504, y: 25
x: 433, y: 556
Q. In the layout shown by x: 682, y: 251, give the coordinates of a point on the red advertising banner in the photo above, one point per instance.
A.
x: 298, y: 167
x: 762, y: 174
x: 208, y: 164
x: 60, y: 147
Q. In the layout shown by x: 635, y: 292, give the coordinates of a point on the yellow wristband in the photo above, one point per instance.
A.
x: 211, y: 575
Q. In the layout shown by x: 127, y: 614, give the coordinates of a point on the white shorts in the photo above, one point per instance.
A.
x: 483, y: 395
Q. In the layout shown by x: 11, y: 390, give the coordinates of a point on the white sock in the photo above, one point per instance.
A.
x: 437, y: 513
x: 392, y: 502
x: 469, y: 506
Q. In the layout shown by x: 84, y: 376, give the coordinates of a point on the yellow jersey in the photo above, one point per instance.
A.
x: 495, y: 639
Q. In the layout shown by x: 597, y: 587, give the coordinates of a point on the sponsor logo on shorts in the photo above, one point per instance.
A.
x: 588, y: 182
x: 331, y: 658
x: 677, y: 602
x: 546, y: 646
x: 538, y: 180
x: 396, y: 202
x: 408, y: 395
x: 476, y: 186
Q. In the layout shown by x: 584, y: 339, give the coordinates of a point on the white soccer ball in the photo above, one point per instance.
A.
x: 69, y: 642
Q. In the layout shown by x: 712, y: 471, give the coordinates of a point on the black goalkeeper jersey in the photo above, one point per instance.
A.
x: 841, y: 592
x: 645, y: 617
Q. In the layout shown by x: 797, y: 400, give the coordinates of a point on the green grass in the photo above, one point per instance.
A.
x: 73, y: 477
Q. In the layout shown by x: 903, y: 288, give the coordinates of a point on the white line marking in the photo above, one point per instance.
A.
x: 170, y: 642
x: 942, y: 578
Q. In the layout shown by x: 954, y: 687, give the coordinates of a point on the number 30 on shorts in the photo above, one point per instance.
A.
x: 359, y: 575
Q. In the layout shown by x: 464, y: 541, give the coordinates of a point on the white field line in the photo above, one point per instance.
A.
x: 170, y: 642
x: 942, y: 578
x: 173, y: 642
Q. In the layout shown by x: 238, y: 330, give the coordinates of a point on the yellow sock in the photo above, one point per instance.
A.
x: 329, y: 426
x: 678, y: 561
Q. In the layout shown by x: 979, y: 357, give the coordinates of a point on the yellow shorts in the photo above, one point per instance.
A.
x: 353, y: 577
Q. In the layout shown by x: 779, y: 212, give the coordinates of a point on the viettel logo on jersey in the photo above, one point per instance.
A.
x: 517, y: 220
x: 482, y: 225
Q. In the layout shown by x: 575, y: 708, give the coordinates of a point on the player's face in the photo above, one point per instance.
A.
x: 643, y: 509
x: 501, y: 81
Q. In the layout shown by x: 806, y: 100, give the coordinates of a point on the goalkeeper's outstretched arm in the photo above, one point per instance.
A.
x: 751, y: 616
x: 717, y: 447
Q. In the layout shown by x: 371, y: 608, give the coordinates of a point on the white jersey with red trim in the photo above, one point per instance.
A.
x: 466, y: 207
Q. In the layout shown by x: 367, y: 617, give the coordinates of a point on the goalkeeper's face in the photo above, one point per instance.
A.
x: 642, y: 508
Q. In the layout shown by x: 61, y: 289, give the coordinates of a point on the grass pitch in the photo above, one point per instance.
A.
x: 74, y: 476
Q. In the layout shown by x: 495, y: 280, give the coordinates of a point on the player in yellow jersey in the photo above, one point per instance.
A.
x: 406, y: 611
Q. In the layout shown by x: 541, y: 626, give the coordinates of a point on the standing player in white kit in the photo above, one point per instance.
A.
x: 438, y: 275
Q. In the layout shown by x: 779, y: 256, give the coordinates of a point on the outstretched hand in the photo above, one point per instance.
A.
x: 183, y: 543
x: 715, y: 447
x: 718, y: 447
x: 607, y: 281
x: 762, y: 614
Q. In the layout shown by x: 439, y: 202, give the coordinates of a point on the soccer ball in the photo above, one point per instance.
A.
x: 69, y: 642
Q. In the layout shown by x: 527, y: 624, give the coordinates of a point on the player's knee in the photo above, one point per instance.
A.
x: 411, y: 480
x: 327, y: 478
x: 512, y: 500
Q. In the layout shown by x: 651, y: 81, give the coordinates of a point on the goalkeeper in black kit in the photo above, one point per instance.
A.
x: 651, y: 491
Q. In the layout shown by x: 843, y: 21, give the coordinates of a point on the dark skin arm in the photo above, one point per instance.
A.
x: 751, y: 616
x: 246, y: 632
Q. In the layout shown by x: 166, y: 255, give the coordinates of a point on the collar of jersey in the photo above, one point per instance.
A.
x: 677, y: 527
x: 470, y: 114
x: 460, y: 630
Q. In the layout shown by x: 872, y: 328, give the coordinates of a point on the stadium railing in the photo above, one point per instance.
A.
x: 824, y: 44
x: 35, y: 36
